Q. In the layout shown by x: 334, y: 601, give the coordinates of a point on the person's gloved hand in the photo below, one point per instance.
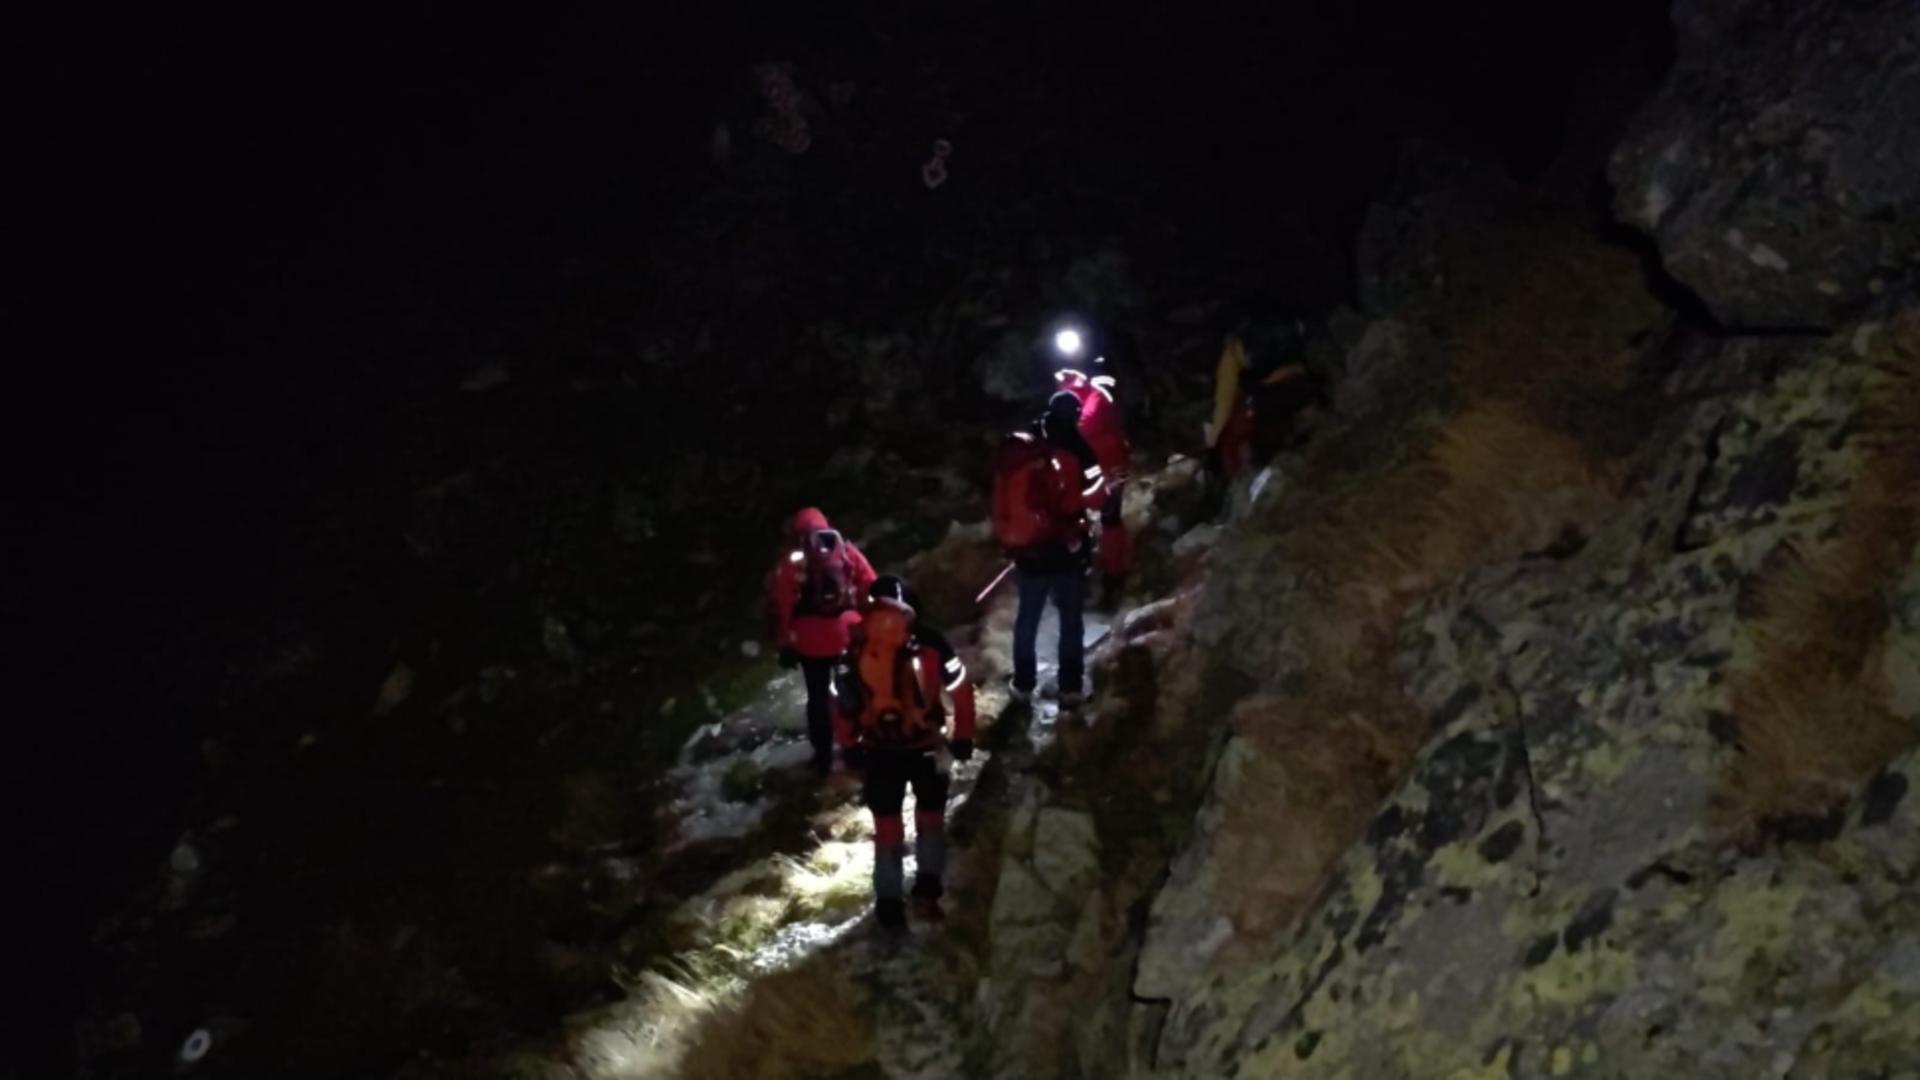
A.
x: 962, y: 749
x: 854, y: 757
x: 789, y: 659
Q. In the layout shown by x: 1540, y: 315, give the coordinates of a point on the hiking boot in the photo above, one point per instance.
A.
x: 1071, y: 695
x: 1072, y: 699
x: 891, y: 914
x: 926, y: 909
x: 1022, y: 696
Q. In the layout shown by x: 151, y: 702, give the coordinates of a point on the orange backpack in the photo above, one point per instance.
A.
x: 900, y: 702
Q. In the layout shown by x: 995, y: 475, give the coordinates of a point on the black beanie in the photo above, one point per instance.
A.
x: 1064, y: 405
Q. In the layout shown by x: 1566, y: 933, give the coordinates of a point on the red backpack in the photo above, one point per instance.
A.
x: 1029, y: 510
x: 826, y: 584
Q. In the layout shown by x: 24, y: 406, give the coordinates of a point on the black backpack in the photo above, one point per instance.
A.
x: 826, y: 585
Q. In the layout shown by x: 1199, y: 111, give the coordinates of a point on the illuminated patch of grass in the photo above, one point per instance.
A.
x: 696, y: 1015
x: 810, y: 1020
x: 833, y: 884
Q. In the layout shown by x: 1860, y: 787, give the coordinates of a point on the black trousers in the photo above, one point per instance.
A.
x: 819, y: 676
x: 891, y: 772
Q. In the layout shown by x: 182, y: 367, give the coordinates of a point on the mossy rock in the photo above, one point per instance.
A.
x: 742, y: 781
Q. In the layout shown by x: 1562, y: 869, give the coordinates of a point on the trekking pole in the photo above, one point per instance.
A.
x: 994, y: 584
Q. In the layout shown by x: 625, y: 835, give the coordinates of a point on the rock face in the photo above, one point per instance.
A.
x: 1087, y: 832
x: 1615, y: 782
x: 1779, y: 170
x: 1471, y: 958
x: 1547, y: 894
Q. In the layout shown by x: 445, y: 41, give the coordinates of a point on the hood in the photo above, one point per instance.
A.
x: 809, y: 521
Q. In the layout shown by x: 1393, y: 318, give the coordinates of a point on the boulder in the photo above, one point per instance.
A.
x: 1779, y: 169
x: 1372, y: 367
x: 1066, y: 852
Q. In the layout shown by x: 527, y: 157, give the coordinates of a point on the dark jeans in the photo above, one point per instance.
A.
x: 1068, y: 588
x: 819, y: 676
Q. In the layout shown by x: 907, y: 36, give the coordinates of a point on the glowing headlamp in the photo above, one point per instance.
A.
x: 1068, y: 343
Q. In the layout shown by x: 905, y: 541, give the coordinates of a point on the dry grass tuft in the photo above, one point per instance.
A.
x: 832, y: 884
x: 716, y: 987
x: 1490, y: 483
x: 641, y: 1036
x: 1813, y: 706
x: 1534, y: 310
x: 810, y: 1020
x: 1326, y: 758
x: 807, y: 1020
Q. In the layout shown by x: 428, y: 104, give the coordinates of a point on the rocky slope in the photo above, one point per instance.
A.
x: 1553, y: 887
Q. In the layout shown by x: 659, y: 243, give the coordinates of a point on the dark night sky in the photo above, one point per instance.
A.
x: 238, y: 189
x: 232, y: 206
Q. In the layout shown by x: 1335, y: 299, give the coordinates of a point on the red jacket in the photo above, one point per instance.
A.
x: 816, y: 637
x: 1101, y: 422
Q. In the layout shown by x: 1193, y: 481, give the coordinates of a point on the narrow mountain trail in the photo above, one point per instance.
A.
x: 919, y: 987
x: 923, y: 988
x: 804, y: 897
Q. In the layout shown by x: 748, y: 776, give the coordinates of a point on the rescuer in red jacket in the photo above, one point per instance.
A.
x: 892, y: 688
x: 815, y: 592
x: 1104, y: 427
